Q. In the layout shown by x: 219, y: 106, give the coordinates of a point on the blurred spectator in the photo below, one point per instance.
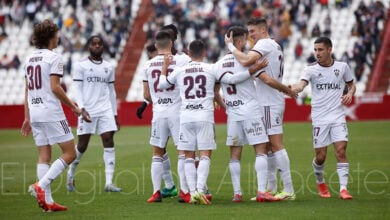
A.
x: 324, y: 4
x: 359, y: 56
x: 15, y: 62
x: 31, y: 10
x: 151, y: 51
x: 311, y: 58
x: 345, y: 58
x: 298, y: 49
x: 316, y: 31
x: 327, y: 23
x: 5, y: 62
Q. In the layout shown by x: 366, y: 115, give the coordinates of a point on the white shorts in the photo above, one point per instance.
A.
x: 162, y: 129
x: 273, y: 118
x: 250, y: 131
x: 197, y: 135
x: 51, y: 132
x: 324, y: 135
x: 100, y: 124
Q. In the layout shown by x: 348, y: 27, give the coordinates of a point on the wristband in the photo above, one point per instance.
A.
x: 231, y: 47
x: 146, y: 101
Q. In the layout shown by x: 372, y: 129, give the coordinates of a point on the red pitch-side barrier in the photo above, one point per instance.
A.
x: 371, y: 106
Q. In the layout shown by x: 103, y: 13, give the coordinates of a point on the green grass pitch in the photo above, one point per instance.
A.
x: 368, y: 153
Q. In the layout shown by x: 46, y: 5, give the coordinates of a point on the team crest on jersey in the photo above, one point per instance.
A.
x: 105, y: 69
x: 320, y: 75
x: 337, y: 72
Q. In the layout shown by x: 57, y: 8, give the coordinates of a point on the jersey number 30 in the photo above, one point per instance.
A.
x: 34, y: 77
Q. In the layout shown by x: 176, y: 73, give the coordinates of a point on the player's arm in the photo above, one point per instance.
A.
x: 242, y: 76
x: 245, y: 59
x: 26, y: 126
x: 218, y: 100
x: 147, y: 100
x: 164, y: 82
x: 57, y: 90
x: 299, y: 86
x: 277, y: 85
x: 347, y: 98
x: 78, y: 85
x: 114, y: 104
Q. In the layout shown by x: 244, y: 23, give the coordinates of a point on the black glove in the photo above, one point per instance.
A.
x: 141, y: 109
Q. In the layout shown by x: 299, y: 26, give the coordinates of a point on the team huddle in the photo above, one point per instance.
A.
x: 183, y: 91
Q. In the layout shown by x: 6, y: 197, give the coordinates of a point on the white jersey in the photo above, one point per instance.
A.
x: 327, y: 85
x: 272, y: 51
x: 95, y: 91
x: 43, y: 105
x: 195, y: 82
x: 240, y: 99
x: 166, y: 102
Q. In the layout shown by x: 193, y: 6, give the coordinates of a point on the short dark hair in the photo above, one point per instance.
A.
x: 151, y: 48
x: 163, y: 38
x: 173, y: 28
x: 325, y: 40
x: 197, y: 47
x: 238, y: 31
x: 95, y: 36
x: 257, y: 21
x: 43, y: 32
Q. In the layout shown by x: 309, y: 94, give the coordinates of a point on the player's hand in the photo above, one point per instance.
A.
x: 229, y: 38
x: 141, y: 109
x: 76, y: 111
x: 85, y: 115
x: 346, y: 99
x: 117, y: 123
x: 261, y: 63
x: 292, y: 93
x: 26, y: 128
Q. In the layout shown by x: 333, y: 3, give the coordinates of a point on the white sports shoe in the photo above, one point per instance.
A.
x: 70, y: 183
x: 112, y: 188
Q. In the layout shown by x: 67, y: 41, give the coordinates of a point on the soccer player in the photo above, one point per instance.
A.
x: 95, y: 94
x: 166, y: 106
x: 196, y: 82
x: 170, y: 189
x: 244, y: 114
x: 43, y: 115
x: 270, y: 94
x: 328, y: 79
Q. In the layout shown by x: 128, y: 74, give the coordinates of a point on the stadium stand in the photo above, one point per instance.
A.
x: 207, y: 20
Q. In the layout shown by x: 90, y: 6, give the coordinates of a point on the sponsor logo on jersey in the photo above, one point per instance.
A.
x: 234, y: 103
x: 96, y: 79
x: 327, y: 86
x: 35, y: 101
x: 164, y: 100
x: 194, y: 107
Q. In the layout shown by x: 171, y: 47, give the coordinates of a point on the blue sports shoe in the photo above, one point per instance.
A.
x: 172, y: 192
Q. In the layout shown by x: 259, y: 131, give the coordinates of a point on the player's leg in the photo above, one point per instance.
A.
x: 170, y: 189
x: 184, y: 190
x: 321, y: 139
x: 84, y: 132
x: 158, y: 139
x: 272, y: 183
x: 109, y: 160
x: 235, y: 171
x: 283, y: 165
x: 339, y: 135
x: 46, y: 135
x: 80, y: 148
x: 261, y: 168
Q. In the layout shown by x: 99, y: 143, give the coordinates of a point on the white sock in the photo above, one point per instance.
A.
x: 342, y: 171
x: 156, y: 171
x: 109, y: 161
x: 190, y: 173
x: 235, y: 173
x: 167, y: 173
x: 203, y: 173
x: 319, y: 172
x: 42, y: 169
x: 54, y: 171
x: 180, y: 170
x: 73, y: 165
x: 272, y: 184
x: 261, y: 168
x: 283, y: 163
